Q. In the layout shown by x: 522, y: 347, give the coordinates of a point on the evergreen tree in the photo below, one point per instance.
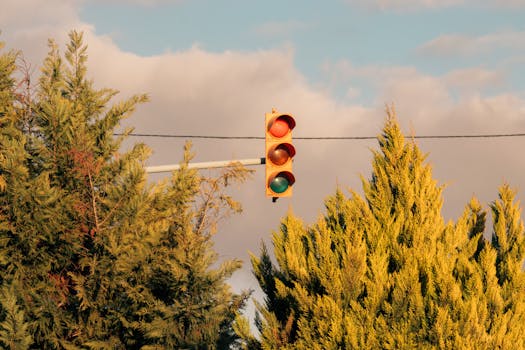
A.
x: 92, y: 255
x: 13, y: 327
x: 386, y: 272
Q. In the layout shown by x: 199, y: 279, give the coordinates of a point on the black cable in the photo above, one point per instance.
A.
x: 197, y: 136
x: 464, y: 136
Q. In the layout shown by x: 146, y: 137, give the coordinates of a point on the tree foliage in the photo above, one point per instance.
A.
x: 92, y: 256
x: 384, y: 271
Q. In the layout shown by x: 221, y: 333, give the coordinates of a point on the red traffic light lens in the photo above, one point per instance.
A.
x: 281, y: 126
x: 280, y: 154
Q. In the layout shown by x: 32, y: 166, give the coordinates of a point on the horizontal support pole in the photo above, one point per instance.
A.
x: 206, y: 165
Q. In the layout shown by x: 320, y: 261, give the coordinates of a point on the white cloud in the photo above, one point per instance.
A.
x: 508, y: 3
x: 148, y: 3
x: 429, y: 101
x: 27, y: 25
x: 405, y: 5
x: 473, y: 79
x: 416, y: 5
x: 33, y: 13
x: 458, y: 44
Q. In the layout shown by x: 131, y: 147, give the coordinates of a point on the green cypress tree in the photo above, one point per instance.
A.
x: 100, y: 258
x: 385, y: 271
x: 14, y: 333
x: 13, y: 326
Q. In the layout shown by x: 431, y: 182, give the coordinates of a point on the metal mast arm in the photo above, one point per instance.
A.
x: 206, y: 165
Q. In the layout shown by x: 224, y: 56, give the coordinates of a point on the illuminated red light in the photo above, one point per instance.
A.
x: 279, y: 128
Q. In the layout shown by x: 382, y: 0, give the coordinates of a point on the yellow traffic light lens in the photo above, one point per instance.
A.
x: 279, y: 155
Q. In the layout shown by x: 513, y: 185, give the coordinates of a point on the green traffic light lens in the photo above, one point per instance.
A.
x: 279, y: 184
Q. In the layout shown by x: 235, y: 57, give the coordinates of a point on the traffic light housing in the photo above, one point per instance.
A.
x: 279, y: 155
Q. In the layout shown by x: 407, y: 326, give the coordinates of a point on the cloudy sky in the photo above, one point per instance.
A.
x: 215, y: 67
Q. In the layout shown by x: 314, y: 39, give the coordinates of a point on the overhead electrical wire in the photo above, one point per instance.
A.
x: 217, y: 137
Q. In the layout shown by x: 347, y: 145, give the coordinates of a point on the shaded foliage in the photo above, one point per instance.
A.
x: 92, y: 256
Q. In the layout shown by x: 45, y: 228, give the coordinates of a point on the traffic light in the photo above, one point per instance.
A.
x: 279, y: 154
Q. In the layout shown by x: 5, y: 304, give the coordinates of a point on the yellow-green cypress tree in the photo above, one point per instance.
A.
x: 384, y: 271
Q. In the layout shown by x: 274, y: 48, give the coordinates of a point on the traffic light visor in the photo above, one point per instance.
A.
x: 281, y: 125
